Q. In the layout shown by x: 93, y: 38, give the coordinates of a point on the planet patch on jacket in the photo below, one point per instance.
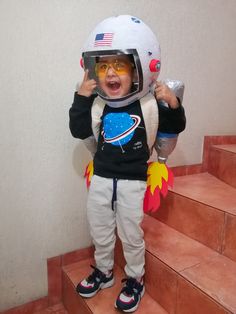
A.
x: 118, y: 128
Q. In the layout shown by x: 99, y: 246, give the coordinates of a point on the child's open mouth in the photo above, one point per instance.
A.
x: 113, y: 86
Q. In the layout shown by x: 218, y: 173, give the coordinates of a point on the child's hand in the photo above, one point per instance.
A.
x: 87, y: 86
x: 163, y: 92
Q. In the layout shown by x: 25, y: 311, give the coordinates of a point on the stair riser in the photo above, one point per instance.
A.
x: 161, y: 283
x: 209, y: 141
x: 210, y: 226
x: 196, y: 220
x: 222, y: 164
x: 71, y: 301
x: 174, y: 293
x: 229, y: 241
x: 192, y: 300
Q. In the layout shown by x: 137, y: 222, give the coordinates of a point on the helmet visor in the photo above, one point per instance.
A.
x: 118, y: 73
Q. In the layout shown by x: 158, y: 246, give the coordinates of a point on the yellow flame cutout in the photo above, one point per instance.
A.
x: 156, y: 173
x: 158, y: 180
x: 89, y: 173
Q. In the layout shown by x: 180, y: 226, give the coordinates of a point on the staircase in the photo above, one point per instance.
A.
x: 190, y: 247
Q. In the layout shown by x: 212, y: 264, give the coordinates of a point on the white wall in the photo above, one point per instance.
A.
x: 43, y: 193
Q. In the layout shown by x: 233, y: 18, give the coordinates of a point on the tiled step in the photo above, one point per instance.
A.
x: 103, y: 302
x: 183, y: 275
x: 203, y: 208
x: 55, y: 309
x: 222, y: 163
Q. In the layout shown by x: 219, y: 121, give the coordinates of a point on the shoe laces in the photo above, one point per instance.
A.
x: 131, y: 286
x: 95, y: 276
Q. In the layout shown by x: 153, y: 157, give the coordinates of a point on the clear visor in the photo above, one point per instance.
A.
x: 118, y: 73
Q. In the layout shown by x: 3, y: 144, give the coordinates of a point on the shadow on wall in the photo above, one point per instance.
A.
x: 178, y: 154
x: 81, y: 158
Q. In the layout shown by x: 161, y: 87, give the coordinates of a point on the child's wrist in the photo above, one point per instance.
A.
x: 83, y: 95
x: 81, y: 92
x: 173, y: 103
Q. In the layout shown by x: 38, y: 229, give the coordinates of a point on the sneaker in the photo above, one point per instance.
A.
x: 97, y: 280
x: 130, y: 295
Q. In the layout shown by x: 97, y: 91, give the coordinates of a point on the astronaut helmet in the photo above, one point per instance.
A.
x: 128, y: 46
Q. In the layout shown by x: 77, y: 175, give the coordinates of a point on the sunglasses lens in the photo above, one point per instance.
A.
x: 120, y: 67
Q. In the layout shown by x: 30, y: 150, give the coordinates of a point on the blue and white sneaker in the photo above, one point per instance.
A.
x: 130, y: 295
x: 97, y: 280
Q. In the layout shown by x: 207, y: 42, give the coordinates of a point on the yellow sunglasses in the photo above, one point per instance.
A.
x: 121, y: 67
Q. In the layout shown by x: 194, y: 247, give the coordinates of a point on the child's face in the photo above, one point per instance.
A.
x: 115, y: 75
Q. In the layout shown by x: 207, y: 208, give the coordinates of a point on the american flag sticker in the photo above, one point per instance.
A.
x: 103, y: 39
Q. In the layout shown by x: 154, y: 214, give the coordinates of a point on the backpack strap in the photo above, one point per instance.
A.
x: 96, y: 113
x: 151, y: 118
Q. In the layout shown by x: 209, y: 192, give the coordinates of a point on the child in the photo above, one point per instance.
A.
x: 122, y: 62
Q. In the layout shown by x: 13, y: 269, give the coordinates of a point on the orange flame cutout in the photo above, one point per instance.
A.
x: 89, y: 173
x: 159, y: 178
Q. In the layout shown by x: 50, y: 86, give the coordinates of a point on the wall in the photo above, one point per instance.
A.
x: 43, y: 194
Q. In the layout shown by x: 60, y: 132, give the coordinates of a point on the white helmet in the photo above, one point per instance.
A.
x: 127, y: 35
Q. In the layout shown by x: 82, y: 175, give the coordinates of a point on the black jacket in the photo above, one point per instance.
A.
x: 122, y: 150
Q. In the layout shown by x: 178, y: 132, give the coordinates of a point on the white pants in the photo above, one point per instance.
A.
x: 126, y: 216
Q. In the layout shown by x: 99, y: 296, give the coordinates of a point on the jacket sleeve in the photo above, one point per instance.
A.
x: 80, y: 116
x: 172, y: 121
